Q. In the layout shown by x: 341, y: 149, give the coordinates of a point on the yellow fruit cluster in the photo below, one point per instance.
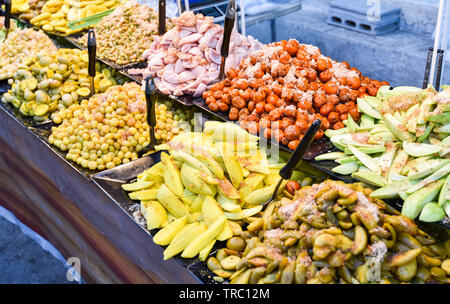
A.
x: 105, y: 131
x: 55, y: 80
x: 207, y: 183
x: 20, y: 47
x: 57, y: 13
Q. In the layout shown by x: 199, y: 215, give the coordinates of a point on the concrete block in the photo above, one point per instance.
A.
x: 360, y: 17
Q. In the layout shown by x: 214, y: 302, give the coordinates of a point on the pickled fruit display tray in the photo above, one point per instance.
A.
x: 110, y: 181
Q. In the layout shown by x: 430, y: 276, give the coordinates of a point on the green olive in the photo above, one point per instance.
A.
x: 361, y: 274
x: 287, y: 276
x: 360, y: 241
x: 221, y: 254
x: 244, y: 278
x: 409, y: 241
x: 236, y: 243
x: 230, y: 262
x: 307, y: 181
x: 406, y: 272
x: 257, y: 274
x: 213, y: 264
x: 428, y: 261
x: 423, y: 273
x: 446, y: 266
x: 437, y: 272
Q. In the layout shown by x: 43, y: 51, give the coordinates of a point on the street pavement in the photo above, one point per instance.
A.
x: 23, y: 259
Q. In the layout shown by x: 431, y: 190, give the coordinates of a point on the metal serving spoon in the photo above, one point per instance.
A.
x: 7, y: 22
x: 286, y: 171
x: 151, y: 98
x: 92, y: 52
x: 228, y: 25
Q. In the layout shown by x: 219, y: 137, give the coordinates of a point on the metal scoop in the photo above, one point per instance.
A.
x: 286, y: 171
x: 151, y: 98
x: 230, y: 17
x: 162, y: 17
x: 7, y: 22
x: 92, y: 52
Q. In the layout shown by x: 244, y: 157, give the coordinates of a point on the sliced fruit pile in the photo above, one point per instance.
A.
x: 21, y: 46
x: 332, y: 232
x: 110, y: 128
x: 401, y: 145
x: 56, y: 14
x: 206, y: 184
x: 54, y: 80
x: 33, y: 10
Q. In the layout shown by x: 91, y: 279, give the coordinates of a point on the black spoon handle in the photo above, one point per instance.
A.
x: 92, y: 51
x: 230, y: 17
x: 162, y: 17
x: 151, y: 98
x: 286, y: 171
x: 427, y: 68
x: 7, y: 14
x: 440, y: 61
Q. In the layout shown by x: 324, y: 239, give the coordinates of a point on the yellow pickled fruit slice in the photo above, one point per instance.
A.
x: 106, y: 73
x: 24, y: 109
x: 16, y: 102
x: 32, y: 84
x: 52, y: 107
x: 47, y: 28
x: 104, y: 84
x: 85, y: 57
x: 41, y: 110
x: 68, y: 87
x: 84, y: 92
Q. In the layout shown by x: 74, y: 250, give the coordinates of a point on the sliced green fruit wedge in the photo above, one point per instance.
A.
x: 420, y: 149
x: 426, y: 168
x: 366, y: 122
x: 330, y: 156
x: 431, y: 213
x: 365, y: 107
x: 351, y: 124
x: 367, y: 150
x: 347, y: 159
x: 374, y: 102
x: 397, y: 128
x: 385, y: 160
x: 337, y: 140
x: 444, y: 192
x: 347, y: 168
x: 330, y: 132
x: 366, y: 160
x: 441, y: 118
x: 393, y: 189
x: 433, y: 177
x: 369, y: 177
x: 414, y: 203
x: 139, y: 185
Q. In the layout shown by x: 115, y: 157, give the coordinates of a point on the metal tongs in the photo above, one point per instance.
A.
x: 435, y: 58
x: 92, y: 51
x: 440, y: 62
x: 296, y: 157
x: 230, y: 17
x: 151, y: 98
x: 7, y: 22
